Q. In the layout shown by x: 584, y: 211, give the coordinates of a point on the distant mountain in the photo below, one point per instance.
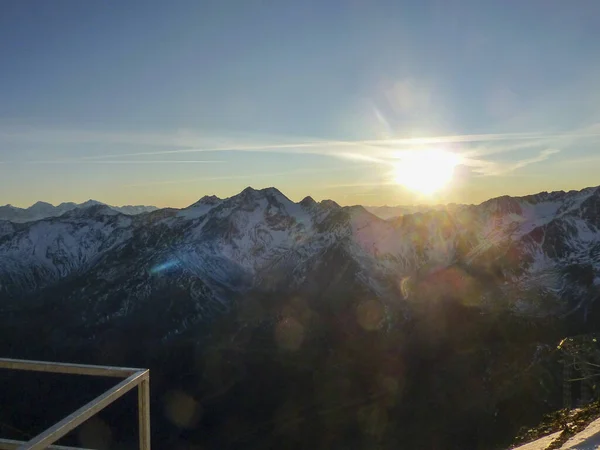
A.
x: 43, y: 210
x: 389, y: 212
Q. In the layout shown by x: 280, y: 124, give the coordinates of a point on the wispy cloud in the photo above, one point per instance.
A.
x: 542, y: 156
x: 123, y: 161
x: 541, y: 140
x: 380, y: 150
x: 475, y: 150
x: 250, y: 175
x: 332, y: 148
x: 494, y: 168
x: 478, y: 158
x: 193, y: 141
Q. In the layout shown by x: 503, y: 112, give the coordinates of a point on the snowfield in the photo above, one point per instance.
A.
x: 588, y: 439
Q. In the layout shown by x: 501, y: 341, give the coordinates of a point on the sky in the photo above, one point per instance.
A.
x: 160, y: 103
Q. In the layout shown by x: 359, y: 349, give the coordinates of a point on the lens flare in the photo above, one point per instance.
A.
x: 425, y: 171
x: 163, y: 267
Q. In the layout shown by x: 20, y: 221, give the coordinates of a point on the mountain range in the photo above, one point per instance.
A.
x: 389, y: 212
x: 456, y: 289
x: 43, y: 210
x: 261, y: 238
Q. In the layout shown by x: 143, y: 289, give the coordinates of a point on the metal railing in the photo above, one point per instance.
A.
x: 132, y: 378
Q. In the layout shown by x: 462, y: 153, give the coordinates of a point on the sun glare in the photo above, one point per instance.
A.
x: 425, y: 171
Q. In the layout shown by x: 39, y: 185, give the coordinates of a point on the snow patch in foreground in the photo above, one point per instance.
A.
x: 540, y: 444
x: 588, y: 439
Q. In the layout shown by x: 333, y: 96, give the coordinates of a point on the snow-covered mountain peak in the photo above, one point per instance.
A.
x: 255, y: 194
x: 329, y: 204
x: 308, y: 202
x: 503, y: 205
x: 91, y: 210
x: 269, y: 199
x: 89, y: 202
x: 201, y: 207
x: 208, y: 200
x: 40, y: 206
x: 275, y: 193
x: 69, y: 205
x: 248, y: 192
x: 133, y: 210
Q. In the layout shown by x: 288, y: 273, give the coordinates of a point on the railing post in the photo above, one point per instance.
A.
x: 566, y: 385
x: 144, y: 412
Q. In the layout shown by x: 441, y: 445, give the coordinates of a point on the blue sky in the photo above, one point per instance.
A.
x: 162, y: 102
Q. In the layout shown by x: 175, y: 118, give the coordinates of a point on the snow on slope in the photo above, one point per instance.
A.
x: 50, y: 249
x: 200, y: 208
x: 588, y: 439
x: 506, y: 218
x: 256, y: 226
x: 540, y: 444
x: 6, y: 228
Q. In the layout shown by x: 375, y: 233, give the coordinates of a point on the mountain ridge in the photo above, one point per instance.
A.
x: 41, y: 210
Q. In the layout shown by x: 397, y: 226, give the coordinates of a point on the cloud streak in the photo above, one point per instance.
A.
x: 474, y: 149
x: 543, y: 156
x: 493, y: 168
x: 327, y: 147
x: 250, y: 175
x: 119, y: 161
x: 383, y: 151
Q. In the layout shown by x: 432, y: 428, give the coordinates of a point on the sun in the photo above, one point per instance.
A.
x: 425, y: 171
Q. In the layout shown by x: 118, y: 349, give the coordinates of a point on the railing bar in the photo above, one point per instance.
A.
x: 10, y: 444
x: 75, y: 419
x: 77, y: 369
x: 144, y: 413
